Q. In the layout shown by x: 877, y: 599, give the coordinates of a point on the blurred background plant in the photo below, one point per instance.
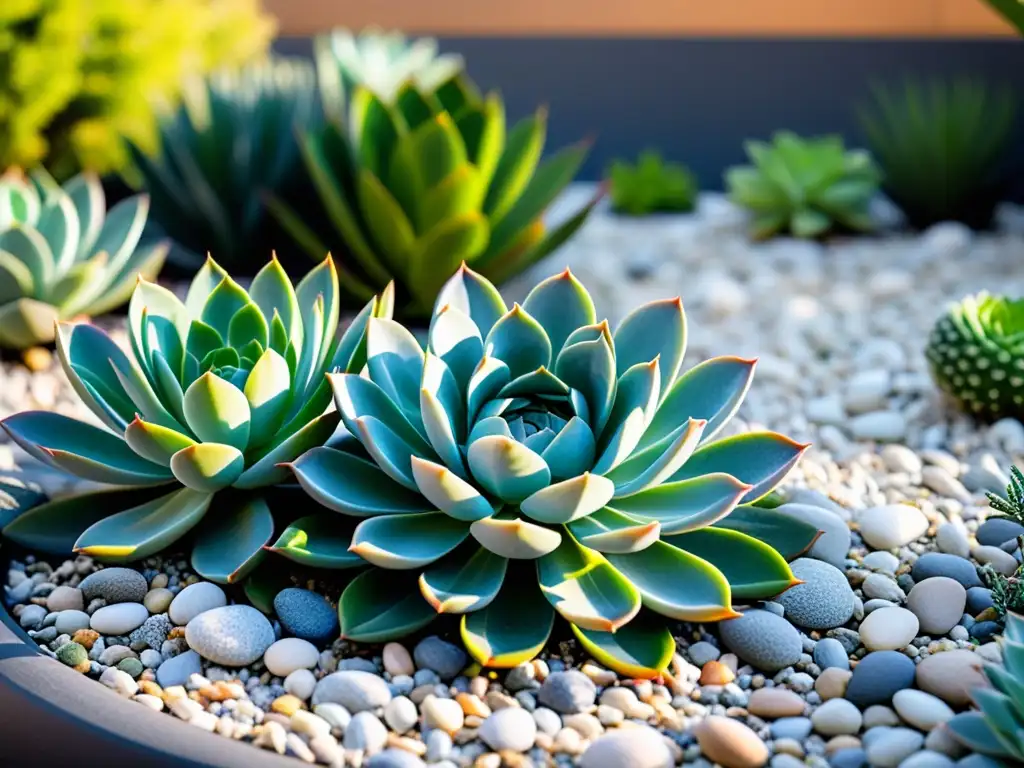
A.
x: 1012, y: 10
x: 77, y: 77
x: 232, y: 140
x: 942, y: 146
x: 650, y: 186
x: 804, y: 187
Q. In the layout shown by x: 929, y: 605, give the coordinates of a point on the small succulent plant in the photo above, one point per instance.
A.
x: 997, y: 730
x: 217, y: 392
x: 62, y: 256
x: 424, y: 178
x: 651, y: 186
x: 976, y: 355
x: 806, y: 187
x: 529, y: 462
x: 942, y: 147
x: 231, y: 141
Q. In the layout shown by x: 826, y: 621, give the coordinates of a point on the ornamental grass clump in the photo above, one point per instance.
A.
x: 63, y: 256
x: 976, y: 355
x: 530, y: 463
x: 216, y: 394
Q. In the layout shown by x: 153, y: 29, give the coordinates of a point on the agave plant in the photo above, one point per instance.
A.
x: 425, y: 178
x: 942, y: 147
x: 807, y: 187
x: 998, y: 729
x: 650, y: 186
x: 63, y: 256
x: 217, y: 392
x: 976, y: 355
x: 231, y: 141
x: 530, y: 462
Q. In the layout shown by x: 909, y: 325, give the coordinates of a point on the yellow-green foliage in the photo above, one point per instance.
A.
x: 79, y: 76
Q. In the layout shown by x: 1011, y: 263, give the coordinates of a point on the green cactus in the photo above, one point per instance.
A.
x: 424, y: 178
x: 806, y: 187
x: 976, y: 355
x: 998, y: 729
x: 651, y: 186
x: 529, y: 462
x: 231, y: 142
x: 62, y: 256
x: 217, y: 393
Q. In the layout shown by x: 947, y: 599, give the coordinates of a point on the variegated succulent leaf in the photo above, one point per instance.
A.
x: 63, y: 255
x: 216, y: 394
x: 533, y: 440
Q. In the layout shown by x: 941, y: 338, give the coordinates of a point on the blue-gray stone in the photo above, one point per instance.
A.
x: 19, y: 594
x: 997, y: 530
x: 941, y: 564
x: 829, y: 652
x: 307, y: 615
x: 115, y: 585
x: 763, y: 639
x: 356, y: 691
x: 177, y: 669
x: 853, y: 757
x: 825, y: 599
x: 357, y: 662
x: 834, y: 543
x: 984, y: 630
x: 151, y: 634
x: 567, y: 692
x: 798, y: 728
x: 878, y: 676
x: 440, y: 656
x: 394, y: 758
x: 978, y: 599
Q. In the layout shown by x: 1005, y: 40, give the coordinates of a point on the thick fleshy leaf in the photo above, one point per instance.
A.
x: 677, y: 584
x: 59, y: 226
x: 440, y: 250
x: 146, y: 529
x: 754, y: 569
x: 386, y: 221
x: 158, y: 321
x: 407, y: 541
x: 29, y: 247
x: 609, y: 531
x: 640, y: 650
x: 272, y: 292
x: 353, y: 486
x: 153, y: 442
x: 473, y: 295
x: 589, y: 366
x: 506, y: 468
x: 487, y: 380
x: 658, y: 463
x: 655, y: 330
x: 972, y: 730
x: 561, y: 305
x: 786, y: 534
x: 229, y: 546
x: 712, y: 390
x: 122, y: 229
x: 685, y: 505
x: 248, y: 325
x: 319, y: 541
x: 1003, y: 716
x: 509, y: 536
x: 584, y: 587
x: 636, y: 399
x: 82, y: 449
x: 443, y: 413
x: 272, y: 467
x: 317, y: 295
x: 572, y: 451
x: 55, y: 526
x: 395, y: 362
x: 381, y: 605
x: 356, y: 397
x: 538, y: 382
x: 26, y: 322
x: 15, y: 279
x: 455, y: 338
x: 391, y: 452
x: 217, y: 412
x: 467, y: 580
x: 519, y: 341
x: 224, y: 301
x: 568, y: 500
x: 207, y: 467
x: 449, y: 492
x: 512, y: 629
x: 523, y: 148
x: 268, y: 392
x: 760, y: 459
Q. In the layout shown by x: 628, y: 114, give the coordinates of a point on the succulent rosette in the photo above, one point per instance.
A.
x: 216, y: 393
x: 530, y: 463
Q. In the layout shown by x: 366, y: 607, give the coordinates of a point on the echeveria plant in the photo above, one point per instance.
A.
x: 216, y: 394
x: 530, y: 462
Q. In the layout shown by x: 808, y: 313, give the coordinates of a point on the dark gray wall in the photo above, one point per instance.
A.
x: 697, y: 100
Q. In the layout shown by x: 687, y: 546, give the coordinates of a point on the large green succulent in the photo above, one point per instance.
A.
x: 423, y: 178
x: 63, y: 256
x: 216, y: 394
x: 530, y: 462
x: 998, y: 729
x: 976, y: 355
x: 943, y: 148
x: 230, y: 143
x: 806, y: 187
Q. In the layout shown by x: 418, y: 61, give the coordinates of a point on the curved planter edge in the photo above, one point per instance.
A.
x: 52, y: 715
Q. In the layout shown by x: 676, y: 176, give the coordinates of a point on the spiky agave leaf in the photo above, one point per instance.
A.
x: 530, y: 462
x: 805, y: 187
x: 976, y: 355
x: 63, y: 255
x: 418, y: 172
x: 216, y: 395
